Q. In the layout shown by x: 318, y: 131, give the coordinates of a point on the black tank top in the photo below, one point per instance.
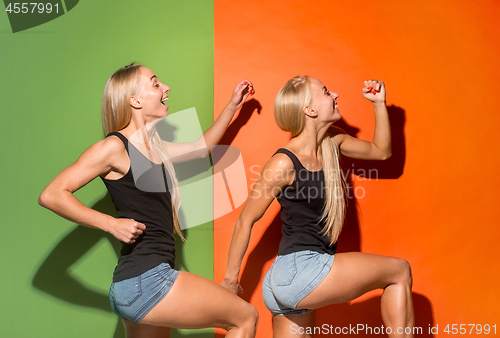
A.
x: 301, y: 209
x: 154, y: 209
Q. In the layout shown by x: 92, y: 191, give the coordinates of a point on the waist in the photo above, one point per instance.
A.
x: 298, y: 238
x: 133, y: 265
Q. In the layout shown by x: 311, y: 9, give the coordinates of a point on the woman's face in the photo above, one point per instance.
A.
x: 324, y: 102
x: 152, y: 94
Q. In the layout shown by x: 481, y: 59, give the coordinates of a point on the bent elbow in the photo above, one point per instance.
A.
x: 385, y: 156
x: 205, y: 153
x: 45, y: 199
x: 202, y: 150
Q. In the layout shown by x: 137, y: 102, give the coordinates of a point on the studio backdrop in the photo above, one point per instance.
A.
x: 433, y: 203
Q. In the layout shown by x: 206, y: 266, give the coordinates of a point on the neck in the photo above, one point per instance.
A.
x: 139, y: 123
x: 309, y: 140
x: 139, y: 131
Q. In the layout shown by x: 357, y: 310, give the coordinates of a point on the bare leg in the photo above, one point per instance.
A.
x: 294, y: 326
x: 355, y: 273
x: 195, y: 302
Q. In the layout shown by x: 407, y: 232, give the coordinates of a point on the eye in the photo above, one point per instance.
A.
x: 328, y: 92
x: 157, y: 85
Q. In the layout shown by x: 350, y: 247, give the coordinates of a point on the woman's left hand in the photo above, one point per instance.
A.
x: 374, y: 91
x: 241, y: 92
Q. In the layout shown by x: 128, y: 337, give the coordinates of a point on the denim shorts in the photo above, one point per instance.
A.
x: 133, y: 298
x: 291, y: 278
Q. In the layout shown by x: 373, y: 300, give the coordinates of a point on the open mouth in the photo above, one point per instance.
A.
x: 164, y: 99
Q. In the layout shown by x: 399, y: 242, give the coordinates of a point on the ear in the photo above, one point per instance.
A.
x: 135, y: 102
x: 309, y: 111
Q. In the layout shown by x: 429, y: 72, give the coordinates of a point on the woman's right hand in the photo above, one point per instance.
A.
x: 232, y: 286
x: 126, y: 230
x: 374, y: 91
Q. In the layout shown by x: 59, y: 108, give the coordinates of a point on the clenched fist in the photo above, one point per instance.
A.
x: 127, y: 230
x: 374, y: 91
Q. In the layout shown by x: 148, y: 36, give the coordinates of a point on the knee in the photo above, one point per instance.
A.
x: 404, y: 272
x: 251, y: 318
x: 246, y: 321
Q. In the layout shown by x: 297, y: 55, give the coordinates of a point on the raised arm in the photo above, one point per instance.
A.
x: 380, y: 146
x: 277, y: 173
x: 180, y: 152
x: 95, y: 161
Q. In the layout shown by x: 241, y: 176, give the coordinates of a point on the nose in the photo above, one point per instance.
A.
x: 335, y: 96
x: 166, y: 88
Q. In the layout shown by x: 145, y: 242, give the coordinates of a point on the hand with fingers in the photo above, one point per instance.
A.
x: 374, y: 90
x: 241, y: 92
x: 127, y: 230
x: 234, y: 287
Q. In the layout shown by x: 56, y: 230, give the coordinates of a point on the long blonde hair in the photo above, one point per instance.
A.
x: 117, y: 114
x: 288, y: 111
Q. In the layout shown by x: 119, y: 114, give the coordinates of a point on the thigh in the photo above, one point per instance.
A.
x: 195, y: 302
x: 134, y: 330
x: 353, y: 274
x: 294, y: 326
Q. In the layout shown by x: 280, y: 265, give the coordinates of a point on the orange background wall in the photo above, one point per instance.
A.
x: 435, y: 202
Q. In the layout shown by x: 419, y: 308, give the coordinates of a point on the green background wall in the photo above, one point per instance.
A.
x: 55, y: 274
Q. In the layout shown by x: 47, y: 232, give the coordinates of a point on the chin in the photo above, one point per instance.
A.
x: 336, y: 115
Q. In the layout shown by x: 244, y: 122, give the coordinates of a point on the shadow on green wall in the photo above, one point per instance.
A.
x: 53, y: 278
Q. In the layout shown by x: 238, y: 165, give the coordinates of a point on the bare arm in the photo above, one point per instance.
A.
x: 95, y: 161
x: 276, y: 174
x: 380, y: 146
x: 180, y: 152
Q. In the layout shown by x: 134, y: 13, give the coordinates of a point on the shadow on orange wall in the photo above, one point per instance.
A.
x: 244, y: 115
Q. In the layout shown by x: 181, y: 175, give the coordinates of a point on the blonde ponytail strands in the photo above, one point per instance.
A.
x: 335, y: 190
x: 175, y: 192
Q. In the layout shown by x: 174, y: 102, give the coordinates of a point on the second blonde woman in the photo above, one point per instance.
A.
x: 305, y: 177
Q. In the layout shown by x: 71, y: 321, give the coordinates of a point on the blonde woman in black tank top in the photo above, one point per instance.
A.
x: 306, y: 179
x: 147, y: 292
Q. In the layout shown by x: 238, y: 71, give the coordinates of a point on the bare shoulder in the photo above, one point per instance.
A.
x: 279, y: 161
x: 278, y: 171
x: 105, y: 151
x: 110, y: 145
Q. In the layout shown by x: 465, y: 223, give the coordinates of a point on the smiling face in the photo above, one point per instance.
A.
x: 324, y: 102
x: 152, y: 95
